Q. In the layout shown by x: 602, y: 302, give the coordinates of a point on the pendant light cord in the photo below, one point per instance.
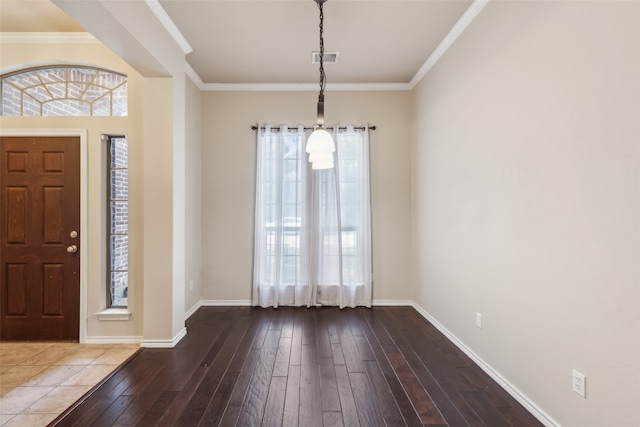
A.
x: 323, y: 77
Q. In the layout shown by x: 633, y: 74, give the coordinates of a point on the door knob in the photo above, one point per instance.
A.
x: 72, y: 249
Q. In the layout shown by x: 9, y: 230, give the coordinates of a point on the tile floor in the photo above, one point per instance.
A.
x: 38, y: 381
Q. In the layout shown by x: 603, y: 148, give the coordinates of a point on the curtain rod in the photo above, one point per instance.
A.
x: 254, y: 127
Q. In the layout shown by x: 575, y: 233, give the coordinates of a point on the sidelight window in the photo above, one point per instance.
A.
x: 117, y: 220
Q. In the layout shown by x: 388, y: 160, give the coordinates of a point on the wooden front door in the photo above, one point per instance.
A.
x: 40, y: 240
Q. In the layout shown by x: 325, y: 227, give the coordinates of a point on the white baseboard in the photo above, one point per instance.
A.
x: 247, y: 303
x: 534, y: 409
x: 215, y: 303
x: 138, y: 340
x: 164, y: 343
x: 192, y: 310
x: 392, y: 302
x: 112, y: 340
x: 227, y: 302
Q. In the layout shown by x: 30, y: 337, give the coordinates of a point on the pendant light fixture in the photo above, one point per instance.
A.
x: 320, y: 145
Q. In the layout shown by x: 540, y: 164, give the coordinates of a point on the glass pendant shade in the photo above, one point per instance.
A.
x: 322, y: 165
x: 320, y: 141
x: 320, y: 157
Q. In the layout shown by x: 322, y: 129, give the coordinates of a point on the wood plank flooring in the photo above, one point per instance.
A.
x: 242, y: 366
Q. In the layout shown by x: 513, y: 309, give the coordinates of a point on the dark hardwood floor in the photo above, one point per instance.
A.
x: 242, y: 366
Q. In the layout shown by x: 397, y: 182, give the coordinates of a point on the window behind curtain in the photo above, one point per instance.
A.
x: 283, y: 205
x: 350, y: 171
x: 312, y: 229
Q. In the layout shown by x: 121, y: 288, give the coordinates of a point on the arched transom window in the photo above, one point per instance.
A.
x: 64, y: 91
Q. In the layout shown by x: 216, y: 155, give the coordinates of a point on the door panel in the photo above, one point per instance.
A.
x: 16, y: 203
x: 40, y: 195
x: 52, y: 201
x: 16, y: 289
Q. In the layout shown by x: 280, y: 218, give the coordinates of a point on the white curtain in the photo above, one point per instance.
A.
x: 312, y: 227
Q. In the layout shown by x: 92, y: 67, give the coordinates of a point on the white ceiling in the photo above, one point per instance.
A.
x: 271, y: 41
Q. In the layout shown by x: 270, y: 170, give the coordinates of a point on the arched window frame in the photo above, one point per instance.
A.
x: 63, y: 90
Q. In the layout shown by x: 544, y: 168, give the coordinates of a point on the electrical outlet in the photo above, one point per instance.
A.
x: 479, y: 320
x: 191, y: 285
x: 579, y: 383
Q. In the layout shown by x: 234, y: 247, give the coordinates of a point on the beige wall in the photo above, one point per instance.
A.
x: 159, y: 215
x: 228, y: 156
x: 193, y: 194
x: 526, y: 175
x: 133, y: 32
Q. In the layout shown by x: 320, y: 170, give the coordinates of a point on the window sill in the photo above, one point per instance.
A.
x: 110, y: 314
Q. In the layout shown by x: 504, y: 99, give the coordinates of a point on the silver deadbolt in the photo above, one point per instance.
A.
x: 73, y: 234
x: 72, y: 249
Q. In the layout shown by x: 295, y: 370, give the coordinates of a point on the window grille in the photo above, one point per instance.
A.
x: 64, y: 91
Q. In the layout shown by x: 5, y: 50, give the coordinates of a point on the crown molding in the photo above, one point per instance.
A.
x: 47, y: 38
x: 337, y: 87
x: 462, y: 24
x: 259, y: 87
x: 302, y: 87
x: 191, y: 73
x: 169, y: 25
